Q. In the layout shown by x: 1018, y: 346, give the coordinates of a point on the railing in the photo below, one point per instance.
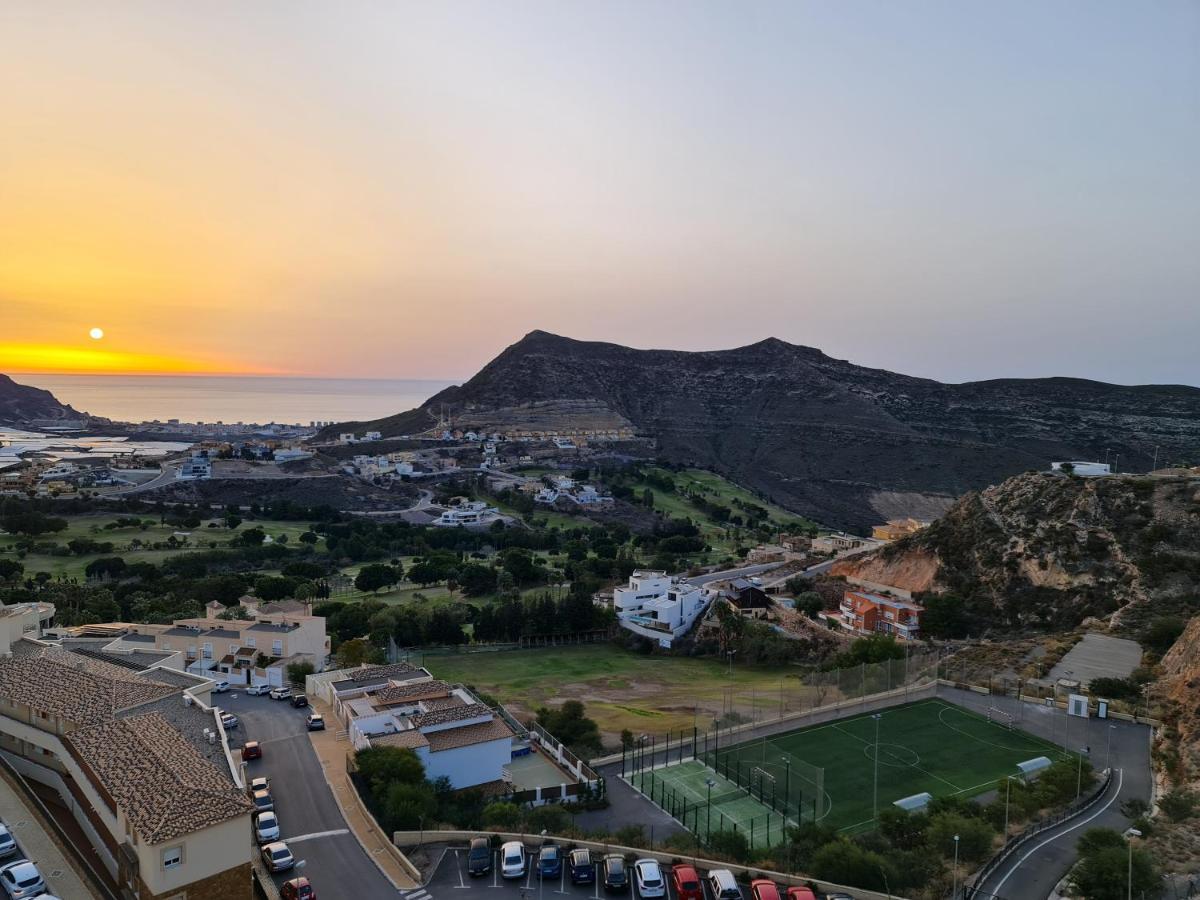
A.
x: 974, y: 890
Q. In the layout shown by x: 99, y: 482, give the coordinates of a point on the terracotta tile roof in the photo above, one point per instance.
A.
x: 159, y: 781
x: 84, y: 691
x: 370, y: 673
x: 451, y: 738
x: 412, y: 739
x: 420, y: 691
x: 451, y: 714
x: 434, y: 703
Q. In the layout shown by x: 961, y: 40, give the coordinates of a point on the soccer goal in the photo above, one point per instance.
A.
x: 1000, y: 717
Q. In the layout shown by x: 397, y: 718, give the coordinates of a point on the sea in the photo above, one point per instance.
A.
x: 232, y: 399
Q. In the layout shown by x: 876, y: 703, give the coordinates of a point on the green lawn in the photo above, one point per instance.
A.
x: 622, y: 689
x: 930, y: 746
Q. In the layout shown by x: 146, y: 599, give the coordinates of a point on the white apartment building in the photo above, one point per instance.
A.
x: 658, y: 606
x: 140, y: 760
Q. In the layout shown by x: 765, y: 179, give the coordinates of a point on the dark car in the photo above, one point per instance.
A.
x: 316, y: 722
x: 299, y: 700
x: 479, y: 857
x: 616, y: 876
x: 251, y: 750
x: 549, y: 861
x: 298, y: 889
x: 583, y: 871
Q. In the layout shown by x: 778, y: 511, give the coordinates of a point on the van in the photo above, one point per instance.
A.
x: 723, y: 885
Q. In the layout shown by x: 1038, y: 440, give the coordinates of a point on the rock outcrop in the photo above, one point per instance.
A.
x: 21, y: 404
x: 840, y: 443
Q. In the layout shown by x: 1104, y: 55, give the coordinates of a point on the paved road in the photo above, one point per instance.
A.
x: 311, y: 823
x: 744, y: 572
x: 167, y: 474
x: 35, y: 843
x: 1033, y: 871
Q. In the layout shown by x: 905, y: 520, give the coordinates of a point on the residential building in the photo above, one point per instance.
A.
x: 795, y: 543
x: 659, y: 607
x: 291, y: 454
x: 747, y: 599
x: 198, y: 465
x: 141, y: 762
x: 894, y: 529
x: 474, y: 512
x: 838, y: 543
x: 867, y: 613
x: 373, y: 436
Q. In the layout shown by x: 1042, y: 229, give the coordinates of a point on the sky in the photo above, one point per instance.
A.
x: 363, y: 189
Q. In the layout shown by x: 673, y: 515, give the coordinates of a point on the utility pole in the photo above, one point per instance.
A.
x: 875, y: 795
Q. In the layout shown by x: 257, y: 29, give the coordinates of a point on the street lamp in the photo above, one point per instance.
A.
x: 954, y: 892
x: 787, y: 780
x: 1108, y: 746
x: 1130, y: 834
x: 875, y: 795
x: 1079, y: 773
x: 1008, y: 780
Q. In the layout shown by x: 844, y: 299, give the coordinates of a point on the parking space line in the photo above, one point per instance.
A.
x: 529, y: 875
x: 496, y: 869
x: 316, y: 834
x: 562, y: 881
x: 462, y: 884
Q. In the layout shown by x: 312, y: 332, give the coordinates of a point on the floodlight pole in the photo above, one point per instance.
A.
x: 1108, y: 746
x: 708, y: 822
x: 875, y: 795
x: 954, y: 893
x: 787, y: 782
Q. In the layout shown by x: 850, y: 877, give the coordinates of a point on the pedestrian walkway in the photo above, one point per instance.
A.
x: 332, y: 753
x: 39, y: 845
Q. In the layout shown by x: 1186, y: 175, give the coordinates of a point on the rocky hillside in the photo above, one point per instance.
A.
x: 837, y: 442
x: 1042, y: 549
x: 20, y: 404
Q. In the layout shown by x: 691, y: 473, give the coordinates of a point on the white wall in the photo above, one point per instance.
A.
x: 470, y: 765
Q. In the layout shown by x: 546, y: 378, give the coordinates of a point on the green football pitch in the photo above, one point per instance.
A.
x: 827, y: 771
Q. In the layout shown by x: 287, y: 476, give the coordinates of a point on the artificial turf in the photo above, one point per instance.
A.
x: 929, y: 746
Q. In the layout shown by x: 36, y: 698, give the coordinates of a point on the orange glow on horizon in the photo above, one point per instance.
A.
x: 66, y: 360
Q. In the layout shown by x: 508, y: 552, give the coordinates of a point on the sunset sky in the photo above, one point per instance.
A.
x: 956, y: 190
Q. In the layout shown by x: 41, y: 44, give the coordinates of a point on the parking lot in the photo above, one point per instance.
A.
x: 310, y: 822
x: 450, y: 881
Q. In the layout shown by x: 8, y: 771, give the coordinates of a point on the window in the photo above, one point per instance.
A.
x: 233, y: 648
x: 172, y: 857
x: 251, y: 643
x: 208, y: 650
x: 277, y: 648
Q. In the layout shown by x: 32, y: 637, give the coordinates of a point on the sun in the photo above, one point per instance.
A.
x: 96, y: 333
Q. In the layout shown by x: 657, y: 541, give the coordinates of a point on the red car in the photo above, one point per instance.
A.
x: 763, y: 889
x: 251, y: 750
x: 687, y: 883
x: 801, y: 893
x: 298, y: 889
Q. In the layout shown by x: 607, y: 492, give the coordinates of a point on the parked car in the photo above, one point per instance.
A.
x: 512, y: 859
x: 615, y: 876
x: 298, y: 889
x: 262, y: 783
x: 479, y: 857
x: 22, y: 880
x: 281, y: 693
x: 251, y: 750
x: 266, y: 827
x: 723, y: 885
x: 650, y: 881
x: 278, y: 857
x: 259, y: 689
x: 7, y: 845
x: 220, y: 687
x: 582, y: 869
x: 316, y: 722
x: 687, y: 883
x: 299, y: 700
x: 263, y: 801
x: 230, y: 721
x: 549, y: 861
x: 799, y: 892
x: 764, y: 889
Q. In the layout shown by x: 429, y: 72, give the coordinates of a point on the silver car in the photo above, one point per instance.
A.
x: 278, y: 857
x: 7, y: 845
x: 22, y: 880
x: 266, y: 827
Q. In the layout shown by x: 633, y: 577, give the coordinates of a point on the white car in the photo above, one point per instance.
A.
x: 7, y: 845
x: 281, y: 693
x: 266, y: 827
x: 278, y: 857
x: 22, y: 880
x: 259, y: 689
x: 262, y: 783
x: 650, y: 881
x: 220, y: 687
x: 512, y: 859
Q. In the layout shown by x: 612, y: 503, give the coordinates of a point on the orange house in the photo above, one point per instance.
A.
x: 868, y: 613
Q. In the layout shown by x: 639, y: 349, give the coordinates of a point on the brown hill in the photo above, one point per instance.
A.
x: 840, y: 443
x: 21, y: 404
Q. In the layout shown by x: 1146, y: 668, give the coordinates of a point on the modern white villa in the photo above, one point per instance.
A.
x: 659, y: 606
x: 474, y: 512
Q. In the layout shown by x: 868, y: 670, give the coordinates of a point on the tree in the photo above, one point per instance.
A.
x: 10, y: 570
x: 105, y: 567
x: 945, y: 616
x: 309, y: 537
x: 232, y: 522
x: 844, y: 862
x: 477, y: 580
x: 569, y: 724
x: 31, y: 523
x: 251, y: 537
x: 381, y: 766
x: 810, y: 603
x: 298, y: 671
x: 974, y: 836
x: 730, y: 845
x: 376, y: 577
x: 502, y: 816
x: 354, y: 653
x: 1161, y: 633
x: 1112, y: 872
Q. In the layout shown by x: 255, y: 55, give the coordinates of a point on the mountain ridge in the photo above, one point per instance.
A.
x: 839, y: 442
x: 22, y: 403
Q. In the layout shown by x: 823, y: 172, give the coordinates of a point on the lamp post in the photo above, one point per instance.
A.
x: 787, y: 780
x: 1008, y: 779
x: 954, y: 892
x: 875, y: 794
x: 708, y: 813
x: 1130, y: 834
x: 1108, y: 746
x: 1079, y: 773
